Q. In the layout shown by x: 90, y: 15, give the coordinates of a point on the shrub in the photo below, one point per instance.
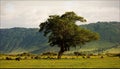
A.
x: 49, y: 54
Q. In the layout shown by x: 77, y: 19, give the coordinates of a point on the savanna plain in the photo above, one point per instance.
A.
x: 69, y: 62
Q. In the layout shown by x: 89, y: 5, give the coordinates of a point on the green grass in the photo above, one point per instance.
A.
x: 107, y: 62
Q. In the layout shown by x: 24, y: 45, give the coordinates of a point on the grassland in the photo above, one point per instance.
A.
x: 93, y: 62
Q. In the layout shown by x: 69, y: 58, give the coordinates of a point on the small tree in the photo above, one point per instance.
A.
x: 63, y: 32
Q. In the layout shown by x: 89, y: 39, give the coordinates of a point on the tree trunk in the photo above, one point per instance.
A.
x: 60, y: 53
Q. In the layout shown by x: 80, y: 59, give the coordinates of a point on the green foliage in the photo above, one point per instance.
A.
x: 49, y: 54
x: 63, y: 32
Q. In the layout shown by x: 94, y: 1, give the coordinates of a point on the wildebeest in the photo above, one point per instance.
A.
x: 8, y: 58
x: 101, y: 57
x: 17, y: 59
x: 36, y: 57
x: 88, y: 56
x: 83, y: 57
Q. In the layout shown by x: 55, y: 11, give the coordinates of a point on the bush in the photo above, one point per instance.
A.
x: 113, y: 54
x: 49, y: 54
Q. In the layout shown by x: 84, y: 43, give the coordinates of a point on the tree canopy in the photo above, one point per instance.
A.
x: 63, y: 32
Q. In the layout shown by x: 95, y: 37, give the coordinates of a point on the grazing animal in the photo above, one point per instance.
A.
x: 83, y: 57
x: 36, y: 57
x: 17, y: 59
x: 88, y: 56
x: 101, y: 57
x: 8, y: 58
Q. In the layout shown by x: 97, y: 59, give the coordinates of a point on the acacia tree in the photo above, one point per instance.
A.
x: 63, y: 32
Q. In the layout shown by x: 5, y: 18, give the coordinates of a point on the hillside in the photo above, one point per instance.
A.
x: 21, y: 40
x: 17, y: 40
x: 109, y: 36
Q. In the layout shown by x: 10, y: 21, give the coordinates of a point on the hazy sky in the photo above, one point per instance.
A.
x: 29, y: 13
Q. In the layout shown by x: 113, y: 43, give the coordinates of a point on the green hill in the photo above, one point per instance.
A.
x: 17, y: 40
x: 109, y: 36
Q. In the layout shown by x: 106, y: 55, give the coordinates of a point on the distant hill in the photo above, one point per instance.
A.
x: 21, y: 40
x: 109, y: 31
x: 18, y: 40
x: 109, y: 36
